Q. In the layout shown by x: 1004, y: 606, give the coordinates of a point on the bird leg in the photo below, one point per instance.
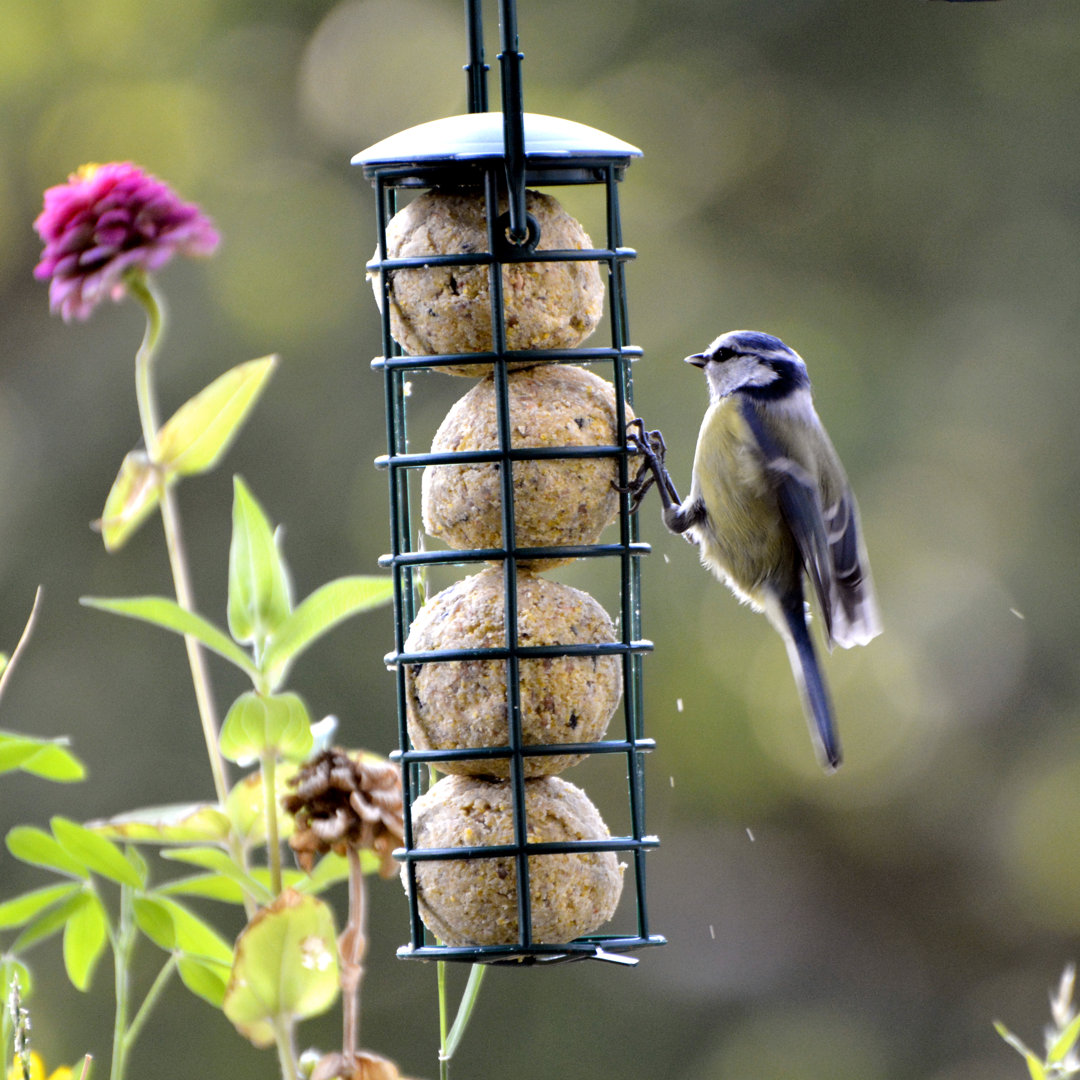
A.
x: 653, y: 470
x: 679, y: 517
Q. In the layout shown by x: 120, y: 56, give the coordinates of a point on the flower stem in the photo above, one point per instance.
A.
x: 273, y: 841
x: 142, y: 288
x: 24, y: 637
x: 464, y: 1013
x: 450, y: 1040
x: 352, y: 945
x: 286, y: 1048
x: 444, y: 1060
x: 149, y: 1001
x: 200, y: 677
x: 123, y: 941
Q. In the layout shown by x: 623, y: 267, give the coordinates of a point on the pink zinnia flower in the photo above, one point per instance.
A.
x: 106, y: 220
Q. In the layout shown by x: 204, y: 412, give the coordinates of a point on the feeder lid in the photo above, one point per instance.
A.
x: 477, y: 136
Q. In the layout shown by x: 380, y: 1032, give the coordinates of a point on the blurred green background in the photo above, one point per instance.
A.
x: 894, y: 189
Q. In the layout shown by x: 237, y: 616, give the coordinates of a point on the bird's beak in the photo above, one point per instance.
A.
x: 698, y: 359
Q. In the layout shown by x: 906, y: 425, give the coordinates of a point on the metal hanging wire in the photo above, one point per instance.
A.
x: 501, y: 155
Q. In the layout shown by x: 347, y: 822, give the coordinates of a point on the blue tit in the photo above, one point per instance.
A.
x: 769, y: 504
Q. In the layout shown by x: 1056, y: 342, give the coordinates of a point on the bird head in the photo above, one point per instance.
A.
x: 746, y: 360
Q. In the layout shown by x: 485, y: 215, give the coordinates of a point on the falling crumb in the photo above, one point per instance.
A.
x: 666, y: 558
x: 712, y: 931
x: 1018, y: 614
x: 750, y: 834
x: 671, y: 780
x: 679, y: 704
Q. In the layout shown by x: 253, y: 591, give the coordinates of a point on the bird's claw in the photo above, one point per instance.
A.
x: 652, y: 446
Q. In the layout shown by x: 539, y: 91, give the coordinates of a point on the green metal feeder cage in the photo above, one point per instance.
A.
x: 501, y: 153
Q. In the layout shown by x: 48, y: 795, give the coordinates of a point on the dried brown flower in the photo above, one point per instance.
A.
x: 346, y: 800
x: 364, y: 1065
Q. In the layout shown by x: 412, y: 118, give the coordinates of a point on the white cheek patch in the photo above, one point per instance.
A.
x: 730, y: 375
x: 760, y: 375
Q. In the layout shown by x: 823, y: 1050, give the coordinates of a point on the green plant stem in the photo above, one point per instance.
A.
x: 465, y: 1009
x: 142, y: 288
x: 450, y: 1041
x: 200, y: 677
x: 148, y: 1002
x: 273, y: 841
x: 283, y: 1038
x: 123, y: 943
x: 24, y: 637
x: 444, y: 1060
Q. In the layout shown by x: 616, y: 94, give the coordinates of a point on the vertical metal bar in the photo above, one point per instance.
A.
x: 385, y: 205
x: 513, y: 121
x: 476, y: 70
x: 500, y: 377
x: 630, y: 592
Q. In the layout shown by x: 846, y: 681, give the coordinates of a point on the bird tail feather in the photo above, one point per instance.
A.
x: 808, y: 678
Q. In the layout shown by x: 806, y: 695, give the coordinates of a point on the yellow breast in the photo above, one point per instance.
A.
x: 744, y: 540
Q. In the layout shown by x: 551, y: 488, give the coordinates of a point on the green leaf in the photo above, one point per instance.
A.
x: 197, y: 435
x: 285, y: 967
x: 85, y: 936
x: 217, y: 860
x: 207, y: 886
x: 182, y: 823
x: 16, y: 749
x: 47, y: 758
x: 21, y: 909
x: 331, y: 869
x: 1035, y: 1067
x: 97, y: 853
x: 259, y: 592
x: 48, y: 922
x: 140, y: 865
x: 191, y: 935
x: 201, y: 951
x: 257, y: 724
x: 55, y: 762
x: 321, y: 611
x: 166, y: 613
x: 245, y: 805
x: 132, y: 498
x: 1012, y: 1039
x: 35, y: 846
x: 155, y: 921
x: 1065, y: 1042
x: 205, y: 978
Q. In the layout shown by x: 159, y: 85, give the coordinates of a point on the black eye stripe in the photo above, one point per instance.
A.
x: 724, y: 354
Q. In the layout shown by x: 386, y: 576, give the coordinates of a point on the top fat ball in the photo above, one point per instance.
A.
x: 437, y: 310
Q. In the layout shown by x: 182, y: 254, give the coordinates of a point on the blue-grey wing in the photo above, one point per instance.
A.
x: 800, y: 503
x: 824, y: 523
x: 855, y: 619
